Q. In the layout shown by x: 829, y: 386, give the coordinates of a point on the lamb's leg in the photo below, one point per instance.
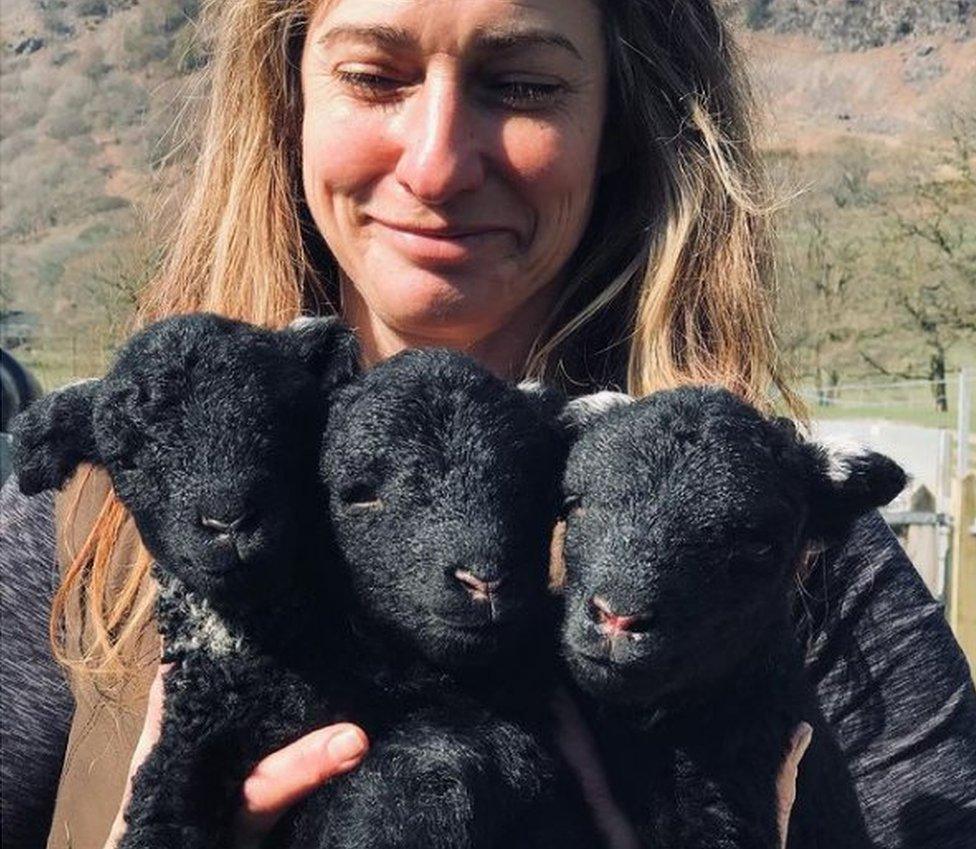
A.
x: 187, y: 792
x: 184, y: 795
x: 429, y: 787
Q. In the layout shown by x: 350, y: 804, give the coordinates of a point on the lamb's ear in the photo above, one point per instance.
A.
x: 53, y: 435
x: 328, y: 347
x: 548, y: 402
x: 849, y: 480
x: 582, y: 412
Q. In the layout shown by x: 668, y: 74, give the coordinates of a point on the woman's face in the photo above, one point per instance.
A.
x: 450, y: 153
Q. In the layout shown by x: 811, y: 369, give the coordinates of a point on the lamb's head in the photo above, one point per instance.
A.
x: 688, y: 514
x: 209, y: 430
x: 443, y: 491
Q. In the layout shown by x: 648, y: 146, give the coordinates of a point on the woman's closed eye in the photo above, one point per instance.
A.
x: 370, y: 84
x: 515, y: 93
x: 523, y: 94
x: 361, y: 498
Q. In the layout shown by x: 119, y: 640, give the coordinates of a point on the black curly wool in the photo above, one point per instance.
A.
x: 442, y: 492
x: 688, y: 517
x: 209, y: 429
x: 399, y: 583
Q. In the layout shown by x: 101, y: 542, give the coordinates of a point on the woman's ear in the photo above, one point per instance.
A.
x: 328, y: 347
x: 53, y: 435
x: 849, y: 480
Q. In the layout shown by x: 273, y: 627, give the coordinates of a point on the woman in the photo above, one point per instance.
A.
x: 564, y: 189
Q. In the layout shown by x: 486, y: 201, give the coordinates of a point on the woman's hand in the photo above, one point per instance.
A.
x: 786, y: 781
x: 276, y: 783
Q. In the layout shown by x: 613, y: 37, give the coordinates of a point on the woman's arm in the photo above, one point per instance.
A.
x: 37, y: 704
x: 896, y: 689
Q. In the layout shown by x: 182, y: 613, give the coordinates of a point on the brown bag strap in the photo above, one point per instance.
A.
x: 103, y: 733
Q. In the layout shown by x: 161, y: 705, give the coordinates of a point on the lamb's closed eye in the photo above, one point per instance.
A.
x: 361, y: 497
x: 572, y: 506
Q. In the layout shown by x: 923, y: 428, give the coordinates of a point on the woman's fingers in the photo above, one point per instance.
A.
x: 151, y: 727
x: 290, y: 774
x: 786, y: 781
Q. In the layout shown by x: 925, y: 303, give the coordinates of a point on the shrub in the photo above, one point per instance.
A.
x: 757, y: 14
x: 93, y: 8
x: 142, y: 47
x: 107, y: 203
x: 119, y: 102
x: 189, y: 52
x: 93, y: 64
x: 66, y: 125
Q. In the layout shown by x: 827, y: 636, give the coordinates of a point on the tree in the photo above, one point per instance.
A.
x: 931, y: 264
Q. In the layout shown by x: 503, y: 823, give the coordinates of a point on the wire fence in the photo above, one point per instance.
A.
x: 56, y: 357
x: 925, y: 402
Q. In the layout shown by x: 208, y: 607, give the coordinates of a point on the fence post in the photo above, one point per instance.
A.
x: 965, y: 404
x: 922, y: 542
x: 962, y: 588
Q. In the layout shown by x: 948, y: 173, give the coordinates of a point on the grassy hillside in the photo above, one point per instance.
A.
x: 858, y: 24
x: 89, y: 95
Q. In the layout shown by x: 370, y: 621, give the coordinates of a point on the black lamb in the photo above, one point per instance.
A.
x: 443, y: 489
x: 689, y: 516
x: 428, y: 623
x: 210, y: 429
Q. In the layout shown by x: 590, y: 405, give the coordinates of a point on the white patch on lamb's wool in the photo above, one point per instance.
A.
x: 583, y: 410
x: 842, y: 455
x: 201, y: 628
x: 531, y: 387
x: 209, y: 631
x: 80, y: 382
x: 303, y: 322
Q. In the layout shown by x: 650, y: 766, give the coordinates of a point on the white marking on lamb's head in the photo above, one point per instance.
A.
x: 843, y: 456
x: 80, y: 382
x: 853, y: 479
x: 583, y: 411
x: 302, y: 322
x: 532, y: 387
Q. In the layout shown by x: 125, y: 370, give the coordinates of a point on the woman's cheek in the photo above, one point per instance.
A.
x: 550, y: 164
x: 534, y: 151
x: 345, y: 149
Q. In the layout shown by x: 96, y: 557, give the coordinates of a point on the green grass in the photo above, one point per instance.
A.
x: 908, y: 405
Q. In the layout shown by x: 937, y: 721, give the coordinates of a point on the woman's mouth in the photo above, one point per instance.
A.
x: 444, y: 245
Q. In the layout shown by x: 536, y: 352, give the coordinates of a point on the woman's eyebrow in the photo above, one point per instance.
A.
x: 504, y: 38
x: 493, y: 39
x: 381, y: 35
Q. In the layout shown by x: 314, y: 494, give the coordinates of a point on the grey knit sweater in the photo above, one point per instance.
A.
x: 891, y: 679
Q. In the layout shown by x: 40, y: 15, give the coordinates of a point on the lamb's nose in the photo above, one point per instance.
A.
x: 615, y: 623
x: 479, y: 588
x: 222, y: 527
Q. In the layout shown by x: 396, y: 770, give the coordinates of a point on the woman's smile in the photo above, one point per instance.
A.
x: 446, y: 246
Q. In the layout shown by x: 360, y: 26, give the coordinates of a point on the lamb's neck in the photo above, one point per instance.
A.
x: 398, y: 667
x: 190, y: 622
x: 774, y: 666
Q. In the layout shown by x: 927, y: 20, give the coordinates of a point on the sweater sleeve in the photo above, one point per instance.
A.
x: 37, y: 703
x: 896, y: 688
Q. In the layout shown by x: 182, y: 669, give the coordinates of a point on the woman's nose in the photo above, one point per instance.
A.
x: 441, y: 154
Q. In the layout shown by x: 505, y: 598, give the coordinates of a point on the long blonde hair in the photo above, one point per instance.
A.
x: 671, y: 283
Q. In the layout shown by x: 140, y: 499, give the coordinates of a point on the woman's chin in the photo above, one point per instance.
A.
x: 463, y: 304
